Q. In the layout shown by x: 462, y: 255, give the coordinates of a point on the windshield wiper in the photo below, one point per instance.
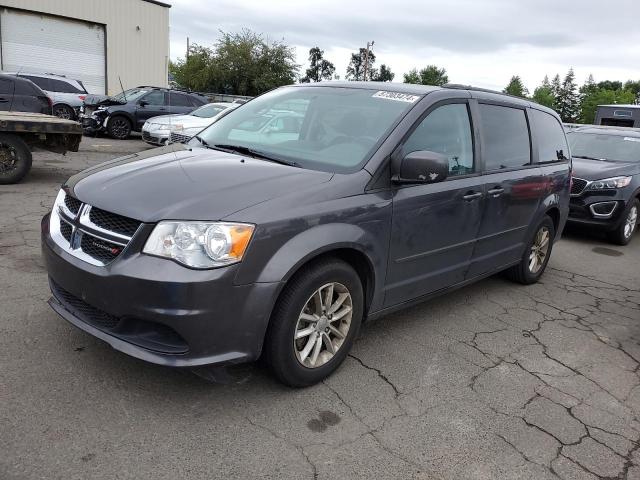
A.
x: 591, y: 158
x: 253, y: 153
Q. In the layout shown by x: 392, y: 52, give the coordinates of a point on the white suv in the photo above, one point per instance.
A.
x: 66, y: 94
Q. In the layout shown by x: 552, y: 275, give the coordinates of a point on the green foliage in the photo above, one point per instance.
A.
x: 319, y: 68
x: 239, y: 63
x: 610, y: 85
x: 602, y: 96
x: 544, y: 96
x: 355, y: 69
x: 516, y: 87
x: 567, y: 102
x: 634, y: 87
x: 430, y: 75
x: 383, y: 75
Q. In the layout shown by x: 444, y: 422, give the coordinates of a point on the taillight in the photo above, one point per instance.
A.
x: 82, y: 97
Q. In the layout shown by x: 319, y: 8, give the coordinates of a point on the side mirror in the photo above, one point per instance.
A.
x: 143, y: 103
x: 422, y: 166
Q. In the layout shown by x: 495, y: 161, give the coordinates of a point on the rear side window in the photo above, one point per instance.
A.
x: 6, y: 87
x: 24, y: 87
x: 43, y: 83
x: 63, y: 87
x: 179, y: 100
x: 154, y: 98
x: 552, y: 144
x: 445, y: 130
x: 197, y: 101
x: 505, y: 137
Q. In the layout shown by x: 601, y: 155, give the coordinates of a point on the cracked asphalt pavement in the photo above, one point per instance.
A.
x: 494, y: 381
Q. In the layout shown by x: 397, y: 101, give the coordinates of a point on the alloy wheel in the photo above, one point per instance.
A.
x: 323, y: 325
x: 62, y: 112
x: 539, y: 250
x: 120, y: 128
x: 630, y: 222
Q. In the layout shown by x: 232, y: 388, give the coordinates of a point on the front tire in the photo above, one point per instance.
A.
x: 314, y: 323
x: 15, y: 159
x: 119, y: 127
x: 624, y: 233
x: 536, y: 255
x: 64, y: 111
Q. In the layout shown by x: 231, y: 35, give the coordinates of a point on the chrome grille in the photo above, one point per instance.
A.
x: 179, y: 138
x: 578, y: 185
x: 89, y: 233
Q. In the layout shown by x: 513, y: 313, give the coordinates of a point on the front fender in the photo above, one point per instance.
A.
x: 320, y: 239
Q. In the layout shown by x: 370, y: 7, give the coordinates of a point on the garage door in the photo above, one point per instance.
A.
x: 43, y: 44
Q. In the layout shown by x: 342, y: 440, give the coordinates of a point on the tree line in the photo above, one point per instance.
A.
x: 577, y: 104
x: 246, y: 63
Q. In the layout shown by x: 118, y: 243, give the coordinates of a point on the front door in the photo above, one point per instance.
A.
x: 152, y: 104
x: 6, y: 94
x: 513, y: 187
x: 434, y: 226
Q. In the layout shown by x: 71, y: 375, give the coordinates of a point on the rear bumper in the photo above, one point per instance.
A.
x: 158, y: 311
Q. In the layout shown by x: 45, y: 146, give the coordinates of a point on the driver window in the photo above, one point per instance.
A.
x: 446, y: 130
x: 154, y: 98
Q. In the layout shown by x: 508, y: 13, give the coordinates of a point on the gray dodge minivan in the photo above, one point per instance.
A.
x: 282, y: 242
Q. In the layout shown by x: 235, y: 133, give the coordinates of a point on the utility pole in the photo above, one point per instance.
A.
x: 366, y: 58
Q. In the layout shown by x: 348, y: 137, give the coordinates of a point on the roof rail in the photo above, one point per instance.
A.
x: 184, y: 90
x: 458, y: 86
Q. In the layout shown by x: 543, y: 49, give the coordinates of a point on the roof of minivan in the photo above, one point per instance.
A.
x: 413, y: 89
x: 609, y: 130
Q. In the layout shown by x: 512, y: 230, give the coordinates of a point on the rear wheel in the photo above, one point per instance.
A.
x: 623, y: 234
x: 15, y: 159
x: 315, y: 323
x: 64, y: 111
x: 119, y: 127
x: 536, y: 255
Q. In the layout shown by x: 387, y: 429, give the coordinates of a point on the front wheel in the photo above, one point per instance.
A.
x: 623, y: 234
x: 536, y: 255
x: 15, y: 159
x: 315, y: 323
x: 119, y: 127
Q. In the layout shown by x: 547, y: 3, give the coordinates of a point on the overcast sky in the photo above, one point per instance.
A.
x: 479, y: 42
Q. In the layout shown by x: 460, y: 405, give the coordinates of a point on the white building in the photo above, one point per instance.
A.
x: 99, y: 42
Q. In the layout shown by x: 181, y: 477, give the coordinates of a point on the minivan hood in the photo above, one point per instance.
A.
x: 178, y: 182
x: 599, y: 169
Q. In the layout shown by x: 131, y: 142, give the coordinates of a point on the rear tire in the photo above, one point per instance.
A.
x: 64, y: 111
x: 119, y: 127
x: 15, y: 159
x: 624, y: 233
x: 536, y: 254
x: 298, y: 359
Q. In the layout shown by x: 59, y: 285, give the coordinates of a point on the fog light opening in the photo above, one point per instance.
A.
x: 603, y: 209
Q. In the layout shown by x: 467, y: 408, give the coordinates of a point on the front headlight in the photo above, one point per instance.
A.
x: 200, y: 244
x: 164, y: 127
x: 609, y: 183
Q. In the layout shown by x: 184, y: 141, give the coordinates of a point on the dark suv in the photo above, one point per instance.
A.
x: 21, y: 95
x: 242, y: 242
x: 127, y: 111
x: 605, y: 193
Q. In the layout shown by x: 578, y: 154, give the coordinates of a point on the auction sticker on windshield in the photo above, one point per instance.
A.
x: 400, y: 97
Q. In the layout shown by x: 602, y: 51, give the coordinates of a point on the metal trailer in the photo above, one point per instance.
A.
x: 21, y: 133
x: 618, y: 115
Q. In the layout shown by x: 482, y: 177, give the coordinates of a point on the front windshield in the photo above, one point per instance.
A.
x: 131, y: 94
x: 207, y: 111
x: 323, y: 128
x: 615, y: 148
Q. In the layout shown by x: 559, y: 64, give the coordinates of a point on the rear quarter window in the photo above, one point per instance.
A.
x: 63, y: 87
x: 549, y: 134
x: 42, y: 82
x: 6, y: 86
x: 505, y: 137
x: 25, y: 87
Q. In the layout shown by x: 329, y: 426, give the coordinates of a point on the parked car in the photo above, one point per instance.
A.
x: 66, y: 94
x: 158, y: 130
x: 128, y: 111
x: 218, y: 251
x: 605, y: 193
x: 270, y: 127
x: 21, y: 95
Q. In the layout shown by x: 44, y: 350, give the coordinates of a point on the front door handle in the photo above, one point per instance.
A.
x: 3, y: 100
x: 471, y: 196
x: 496, y: 191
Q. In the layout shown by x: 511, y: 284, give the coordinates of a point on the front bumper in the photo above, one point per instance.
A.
x: 583, y: 209
x: 155, y: 137
x: 158, y: 311
x: 91, y: 124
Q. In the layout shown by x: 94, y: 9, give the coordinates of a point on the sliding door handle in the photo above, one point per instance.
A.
x: 496, y: 191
